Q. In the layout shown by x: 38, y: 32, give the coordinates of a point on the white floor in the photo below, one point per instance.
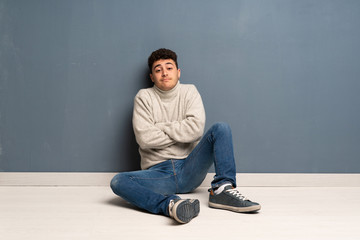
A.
x: 96, y: 213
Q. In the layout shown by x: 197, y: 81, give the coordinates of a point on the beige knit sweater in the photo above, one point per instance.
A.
x: 167, y: 124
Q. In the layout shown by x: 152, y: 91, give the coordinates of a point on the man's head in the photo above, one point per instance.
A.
x: 164, y: 71
x: 161, y: 53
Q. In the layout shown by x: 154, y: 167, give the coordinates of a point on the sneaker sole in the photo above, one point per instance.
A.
x: 189, y: 210
x: 236, y: 209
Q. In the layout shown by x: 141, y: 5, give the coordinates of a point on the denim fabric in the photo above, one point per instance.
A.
x: 152, y: 189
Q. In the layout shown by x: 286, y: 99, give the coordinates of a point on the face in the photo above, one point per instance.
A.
x: 165, y: 75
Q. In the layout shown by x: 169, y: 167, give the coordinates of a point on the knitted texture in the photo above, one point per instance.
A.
x: 167, y: 124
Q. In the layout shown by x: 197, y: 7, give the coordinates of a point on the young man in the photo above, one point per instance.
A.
x: 168, y: 122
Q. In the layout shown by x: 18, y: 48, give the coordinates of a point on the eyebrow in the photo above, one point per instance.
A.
x: 165, y: 64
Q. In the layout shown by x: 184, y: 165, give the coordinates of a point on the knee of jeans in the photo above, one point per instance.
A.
x: 115, y: 183
x: 222, y: 127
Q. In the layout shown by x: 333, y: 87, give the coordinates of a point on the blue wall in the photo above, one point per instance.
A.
x: 283, y: 73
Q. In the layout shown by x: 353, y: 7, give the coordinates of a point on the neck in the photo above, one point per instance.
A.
x: 169, y: 93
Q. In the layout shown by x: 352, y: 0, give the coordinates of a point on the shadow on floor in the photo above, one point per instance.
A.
x: 119, y: 202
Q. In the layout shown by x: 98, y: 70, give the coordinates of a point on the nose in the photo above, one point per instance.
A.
x: 164, y: 73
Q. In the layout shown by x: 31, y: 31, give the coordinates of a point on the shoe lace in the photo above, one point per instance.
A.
x: 237, y: 194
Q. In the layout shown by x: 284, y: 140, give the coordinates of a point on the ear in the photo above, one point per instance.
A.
x: 179, y: 73
x: 151, y: 77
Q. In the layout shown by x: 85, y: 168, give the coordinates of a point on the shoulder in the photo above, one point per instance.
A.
x: 144, y: 97
x: 189, y: 88
x: 189, y: 91
x: 144, y: 93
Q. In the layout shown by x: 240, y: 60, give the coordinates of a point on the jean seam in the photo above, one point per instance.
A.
x: 175, y: 175
x: 131, y: 177
x: 217, y: 166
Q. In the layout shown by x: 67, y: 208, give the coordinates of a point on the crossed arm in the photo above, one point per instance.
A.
x: 150, y: 134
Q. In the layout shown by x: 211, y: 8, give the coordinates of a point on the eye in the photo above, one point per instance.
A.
x: 157, y: 70
x: 169, y: 68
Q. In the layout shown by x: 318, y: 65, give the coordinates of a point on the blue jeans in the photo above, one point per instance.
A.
x: 153, y: 188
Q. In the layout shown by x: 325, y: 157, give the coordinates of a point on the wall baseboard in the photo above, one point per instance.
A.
x: 243, y: 179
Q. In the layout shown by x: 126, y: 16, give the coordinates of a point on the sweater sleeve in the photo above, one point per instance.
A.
x: 147, y: 134
x: 191, y: 128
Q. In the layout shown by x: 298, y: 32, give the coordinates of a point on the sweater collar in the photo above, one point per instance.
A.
x: 167, y: 95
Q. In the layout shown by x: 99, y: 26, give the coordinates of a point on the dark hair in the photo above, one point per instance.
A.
x: 161, y: 53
